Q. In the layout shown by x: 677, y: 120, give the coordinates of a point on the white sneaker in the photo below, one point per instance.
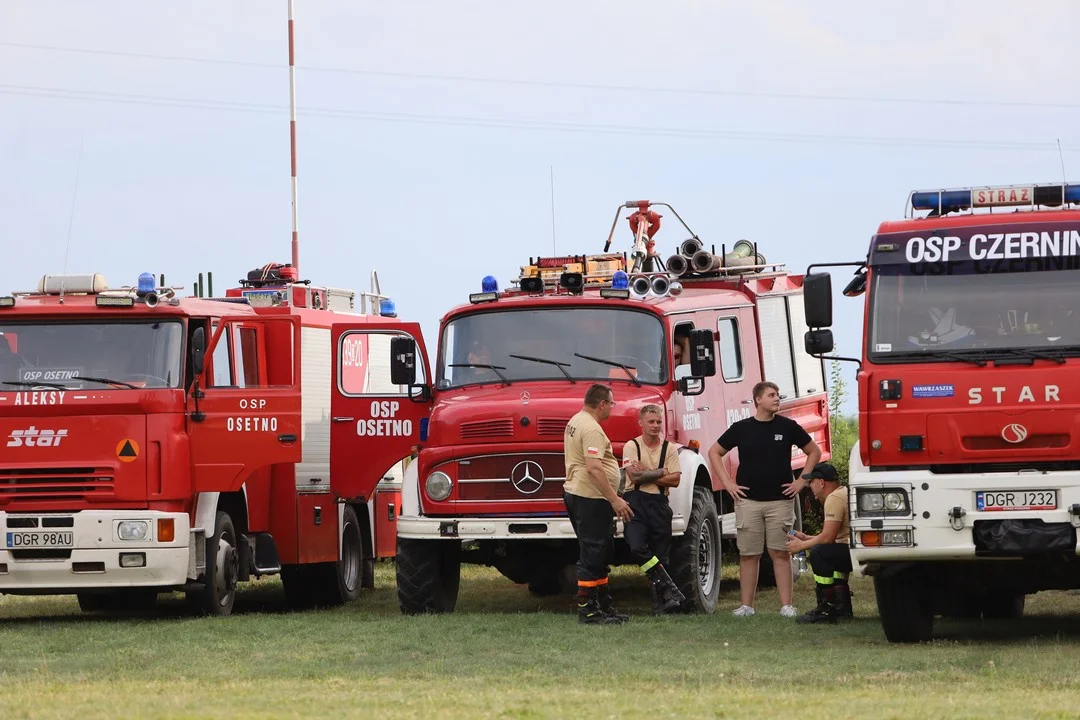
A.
x: 788, y: 611
x: 743, y: 611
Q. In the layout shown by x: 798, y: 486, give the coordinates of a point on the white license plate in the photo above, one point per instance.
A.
x: 1002, y: 500
x: 39, y: 540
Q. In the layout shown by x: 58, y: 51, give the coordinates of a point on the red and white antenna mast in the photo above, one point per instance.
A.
x: 292, y: 145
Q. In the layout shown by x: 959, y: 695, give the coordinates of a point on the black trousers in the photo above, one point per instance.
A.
x: 649, y: 532
x: 830, y: 562
x: 593, y: 523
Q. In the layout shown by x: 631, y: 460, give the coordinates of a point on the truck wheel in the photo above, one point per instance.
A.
x: 342, y: 581
x: 222, y: 570
x: 428, y: 575
x: 696, y: 561
x: 907, y: 615
x: 1003, y: 606
x: 296, y: 580
x: 553, y: 578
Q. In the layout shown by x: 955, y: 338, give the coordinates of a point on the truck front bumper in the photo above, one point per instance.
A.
x: 541, y: 528
x: 97, y: 558
x: 946, y: 523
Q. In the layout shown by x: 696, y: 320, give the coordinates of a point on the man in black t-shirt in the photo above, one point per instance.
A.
x: 763, y: 490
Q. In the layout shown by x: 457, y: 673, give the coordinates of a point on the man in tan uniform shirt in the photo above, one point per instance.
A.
x: 652, y: 466
x: 592, y: 502
x: 830, y: 557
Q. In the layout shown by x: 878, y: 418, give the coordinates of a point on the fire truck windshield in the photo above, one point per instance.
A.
x: 619, y: 336
x: 963, y: 313
x: 76, y: 355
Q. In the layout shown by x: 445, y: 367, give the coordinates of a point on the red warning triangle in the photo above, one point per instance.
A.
x: 127, y: 451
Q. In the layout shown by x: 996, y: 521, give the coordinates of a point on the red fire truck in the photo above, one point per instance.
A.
x: 157, y: 443
x: 965, y: 481
x: 513, y: 366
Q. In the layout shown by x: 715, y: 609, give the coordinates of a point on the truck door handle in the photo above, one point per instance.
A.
x: 342, y: 419
x: 746, y: 402
x: 288, y: 437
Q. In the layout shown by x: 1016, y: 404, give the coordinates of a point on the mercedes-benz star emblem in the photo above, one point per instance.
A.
x: 1014, y: 433
x: 525, y: 396
x: 527, y: 477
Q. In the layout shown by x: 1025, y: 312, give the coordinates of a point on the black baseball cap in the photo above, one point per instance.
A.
x: 824, y: 471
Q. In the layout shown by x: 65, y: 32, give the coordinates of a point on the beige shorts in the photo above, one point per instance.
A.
x: 761, y: 523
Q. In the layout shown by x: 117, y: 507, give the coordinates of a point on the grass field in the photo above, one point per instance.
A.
x: 507, y: 654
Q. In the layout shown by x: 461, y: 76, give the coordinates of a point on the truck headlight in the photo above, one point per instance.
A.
x: 882, y: 502
x: 438, y: 486
x: 133, y: 530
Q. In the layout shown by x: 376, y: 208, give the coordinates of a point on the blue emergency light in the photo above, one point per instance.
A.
x: 146, y: 284
x: 944, y: 201
x: 489, y: 284
x: 620, y: 280
x: 387, y: 308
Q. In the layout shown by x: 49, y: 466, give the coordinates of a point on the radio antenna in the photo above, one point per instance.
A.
x: 292, y: 146
x: 71, y: 215
x: 551, y: 169
x: 1064, y: 177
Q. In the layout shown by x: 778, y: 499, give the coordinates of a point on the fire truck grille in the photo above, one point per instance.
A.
x: 488, y: 429
x: 1032, y: 442
x: 517, y: 476
x: 54, y: 483
x: 551, y: 425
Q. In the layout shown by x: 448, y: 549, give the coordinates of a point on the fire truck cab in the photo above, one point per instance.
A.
x: 965, y: 480
x: 692, y: 335
x: 157, y: 443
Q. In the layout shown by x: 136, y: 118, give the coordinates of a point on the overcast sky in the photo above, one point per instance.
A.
x: 427, y: 130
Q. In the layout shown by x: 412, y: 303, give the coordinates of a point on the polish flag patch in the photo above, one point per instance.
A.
x: 592, y: 451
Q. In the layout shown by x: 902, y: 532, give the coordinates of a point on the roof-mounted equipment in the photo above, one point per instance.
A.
x: 941, y: 202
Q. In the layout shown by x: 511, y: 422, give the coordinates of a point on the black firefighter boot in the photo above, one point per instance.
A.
x: 588, y: 608
x: 667, y: 592
x: 819, y: 612
x: 842, y: 600
x: 607, y: 605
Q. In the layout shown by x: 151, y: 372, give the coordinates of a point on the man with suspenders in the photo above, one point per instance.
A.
x: 651, y: 467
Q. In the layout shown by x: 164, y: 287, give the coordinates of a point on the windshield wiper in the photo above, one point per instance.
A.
x: 953, y: 355
x: 22, y: 383
x: 493, y: 368
x: 106, y: 381
x: 1056, y: 357
x: 545, y: 361
x: 602, y: 361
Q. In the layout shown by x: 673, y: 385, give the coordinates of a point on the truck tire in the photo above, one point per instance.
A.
x: 905, y: 608
x: 218, y: 594
x: 339, y: 582
x: 428, y: 575
x: 696, y: 560
x: 1003, y: 606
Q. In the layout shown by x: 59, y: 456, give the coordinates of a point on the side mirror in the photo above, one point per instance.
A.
x: 198, y: 350
x: 818, y: 342
x: 402, y: 360
x: 702, y: 353
x: 691, y: 385
x: 857, y: 285
x: 817, y: 299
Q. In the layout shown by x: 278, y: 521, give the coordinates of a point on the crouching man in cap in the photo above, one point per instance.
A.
x: 830, y: 558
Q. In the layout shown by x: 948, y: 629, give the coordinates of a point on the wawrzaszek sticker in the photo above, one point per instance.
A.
x: 931, y: 391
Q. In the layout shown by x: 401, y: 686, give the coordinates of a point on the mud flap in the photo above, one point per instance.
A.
x: 196, y: 553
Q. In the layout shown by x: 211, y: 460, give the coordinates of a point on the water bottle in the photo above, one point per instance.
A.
x: 799, y: 559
